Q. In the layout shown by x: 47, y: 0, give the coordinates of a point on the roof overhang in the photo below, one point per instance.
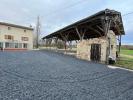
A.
x: 92, y: 27
x: 17, y: 26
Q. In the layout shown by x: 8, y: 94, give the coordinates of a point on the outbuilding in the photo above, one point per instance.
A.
x: 97, y: 36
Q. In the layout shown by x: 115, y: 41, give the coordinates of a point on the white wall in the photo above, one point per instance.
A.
x: 17, y: 33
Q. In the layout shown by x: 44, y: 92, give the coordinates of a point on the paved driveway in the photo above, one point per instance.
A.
x: 43, y: 75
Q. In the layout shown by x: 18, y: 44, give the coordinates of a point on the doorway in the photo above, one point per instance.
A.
x: 1, y: 46
x: 95, y: 52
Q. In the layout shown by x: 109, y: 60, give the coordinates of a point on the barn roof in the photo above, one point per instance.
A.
x: 92, y: 26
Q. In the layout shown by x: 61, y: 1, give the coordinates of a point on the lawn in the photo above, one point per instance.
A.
x: 127, y: 52
x: 126, y: 59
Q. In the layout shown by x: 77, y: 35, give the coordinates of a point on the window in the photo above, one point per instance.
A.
x: 24, y: 30
x: 16, y: 45
x: 7, y: 45
x: 112, y: 46
x: 11, y: 45
x: 20, y: 45
x: 25, y: 45
x: 24, y: 38
x: 9, y: 37
x: 1, y: 45
x: 9, y: 28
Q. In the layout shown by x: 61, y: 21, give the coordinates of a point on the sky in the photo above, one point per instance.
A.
x: 56, y: 14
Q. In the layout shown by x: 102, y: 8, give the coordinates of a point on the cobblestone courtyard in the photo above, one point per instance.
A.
x: 43, y: 75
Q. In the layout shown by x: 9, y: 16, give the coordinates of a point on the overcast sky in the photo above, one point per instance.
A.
x: 56, y: 14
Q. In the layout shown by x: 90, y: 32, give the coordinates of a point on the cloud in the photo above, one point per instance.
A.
x: 60, y: 13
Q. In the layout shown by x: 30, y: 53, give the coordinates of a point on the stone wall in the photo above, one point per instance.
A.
x: 84, y: 47
x: 113, y: 44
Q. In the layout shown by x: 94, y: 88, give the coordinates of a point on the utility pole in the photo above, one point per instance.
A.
x: 38, y: 26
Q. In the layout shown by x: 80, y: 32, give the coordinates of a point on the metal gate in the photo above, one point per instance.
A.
x: 95, y: 52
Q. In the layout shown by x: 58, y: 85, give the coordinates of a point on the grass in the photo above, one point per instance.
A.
x: 125, y: 63
x: 126, y: 59
x: 127, y: 52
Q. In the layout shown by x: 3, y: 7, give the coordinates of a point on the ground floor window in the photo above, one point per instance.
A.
x: 25, y: 45
x: 7, y: 45
x: 20, y: 45
x: 14, y: 45
x: 1, y: 45
x: 11, y: 45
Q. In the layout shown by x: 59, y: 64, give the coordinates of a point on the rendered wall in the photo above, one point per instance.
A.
x: 17, y: 33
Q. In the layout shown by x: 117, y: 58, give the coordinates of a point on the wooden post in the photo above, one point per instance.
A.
x: 81, y: 34
x: 56, y: 41
x: 120, y: 45
x: 107, y: 23
x: 78, y: 33
x: 65, y: 38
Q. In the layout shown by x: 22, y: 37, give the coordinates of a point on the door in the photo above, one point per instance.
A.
x: 95, y: 52
x: 1, y: 45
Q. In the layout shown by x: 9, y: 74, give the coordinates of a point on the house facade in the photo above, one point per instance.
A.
x: 15, y: 37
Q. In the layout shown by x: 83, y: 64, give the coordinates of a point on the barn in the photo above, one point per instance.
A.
x: 97, y: 36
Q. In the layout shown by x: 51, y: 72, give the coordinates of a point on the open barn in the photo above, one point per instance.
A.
x: 97, y: 36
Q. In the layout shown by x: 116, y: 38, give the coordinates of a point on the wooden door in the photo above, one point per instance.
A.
x: 95, y: 52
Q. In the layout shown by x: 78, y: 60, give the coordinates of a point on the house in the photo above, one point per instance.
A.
x: 15, y: 37
x: 97, y: 36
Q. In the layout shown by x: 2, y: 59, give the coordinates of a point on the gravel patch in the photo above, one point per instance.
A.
x: 45, y: 75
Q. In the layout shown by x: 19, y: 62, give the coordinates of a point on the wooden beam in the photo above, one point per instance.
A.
x: 94, y: 30
x: 83, y: 34
x: 100, y: 28
x: 65, y: 37
x: 77, y: 31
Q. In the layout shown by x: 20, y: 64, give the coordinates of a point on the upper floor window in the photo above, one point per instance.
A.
x: 9, y: 28
x: 24, y: 30
x: 24, y: 38
x: 9, y: 37
x: 112, y: 46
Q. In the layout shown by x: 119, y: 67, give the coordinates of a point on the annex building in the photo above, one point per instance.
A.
x: 15, y: 37
x: 98, y: 36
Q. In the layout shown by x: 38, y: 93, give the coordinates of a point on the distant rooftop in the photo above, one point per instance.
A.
x: 17, y: 26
